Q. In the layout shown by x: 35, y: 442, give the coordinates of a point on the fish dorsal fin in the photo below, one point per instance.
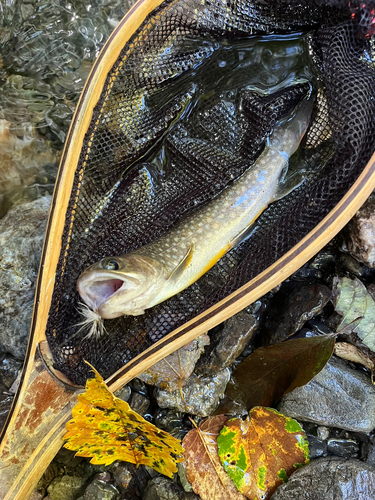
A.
x: 182, y: 265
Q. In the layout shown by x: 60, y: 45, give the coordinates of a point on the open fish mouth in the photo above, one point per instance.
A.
x: 95, y: 292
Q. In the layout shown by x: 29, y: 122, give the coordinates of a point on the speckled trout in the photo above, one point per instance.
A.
x: 131, y: 283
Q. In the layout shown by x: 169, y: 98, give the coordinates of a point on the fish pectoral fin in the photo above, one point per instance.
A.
x: 182, y: 265
x: 241, y: 236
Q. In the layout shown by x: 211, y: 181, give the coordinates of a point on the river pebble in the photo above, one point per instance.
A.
x: 291, y: 307
x: 9, y: 368
x: 337, y: 397
x: 101, y: 489
x: 170, y: 421
x: 65, y: 487
x: 201, y: 394
x: 368, y: 453
x: 139, y: 403
x: 162, y: 488
x: 227, y: 343
x: 174, y: 370
x: 330, y: 479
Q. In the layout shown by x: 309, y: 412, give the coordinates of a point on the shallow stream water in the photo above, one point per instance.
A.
x: 47, y: 49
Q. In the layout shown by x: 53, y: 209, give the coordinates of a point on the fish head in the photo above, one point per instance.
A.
x: 117, y: 286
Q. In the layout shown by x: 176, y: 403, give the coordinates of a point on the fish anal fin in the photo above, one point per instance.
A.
x: 182, y: 265
x: 246, y: 231
x: 241, y: 236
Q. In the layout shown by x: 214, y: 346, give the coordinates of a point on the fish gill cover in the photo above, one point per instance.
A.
x: 185, y: 110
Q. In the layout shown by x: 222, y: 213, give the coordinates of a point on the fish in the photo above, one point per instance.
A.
x: 131, y: 283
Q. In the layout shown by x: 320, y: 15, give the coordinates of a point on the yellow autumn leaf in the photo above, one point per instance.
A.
x: 107, y: 429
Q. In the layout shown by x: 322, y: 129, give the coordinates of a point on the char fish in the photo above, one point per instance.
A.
x: 131, y: 283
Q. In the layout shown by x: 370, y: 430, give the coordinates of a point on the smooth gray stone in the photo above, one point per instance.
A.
x: 330, y: 479
x: 317, y: 447
x: 227, y: 344
x: 337, y: 397
x: 100, y: 490
x: 65, y: 487
x: 201, y: 394
x: 161, y: 488
x: 346, y: 448
x: 368, y: 453
x: 139, y: 403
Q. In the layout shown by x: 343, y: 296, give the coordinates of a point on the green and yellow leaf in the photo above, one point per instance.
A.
x: 261, y: 452
x: 107, y: 429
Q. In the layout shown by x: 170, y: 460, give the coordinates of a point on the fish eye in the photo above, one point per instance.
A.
x: 110, y: 264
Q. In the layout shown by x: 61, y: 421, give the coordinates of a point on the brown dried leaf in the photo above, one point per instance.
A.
x: 202, y: 464
x: 352, y: 353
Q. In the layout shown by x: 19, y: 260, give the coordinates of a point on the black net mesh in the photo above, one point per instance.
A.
x: 185, y: 110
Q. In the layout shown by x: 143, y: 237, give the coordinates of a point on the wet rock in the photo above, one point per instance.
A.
x: 358, y: 236
x: 124, y: 393
x: 330, y: 479
x: 307, y: 274
x: 5, y: 405
x: 170, y: 421
x: 346, y: 448
x: 368, y: 453
x: 9, y: 368
x: 122, y: 474
x: 352, y: 265
x: 138, y: 385
x: 21, y: 239
x: 183, y: 479
x: 291, y: 308
x: 176, y: 368
x: 54, y: 470
x: 65, y: 487
x: 100, y: 490
x: 151, y: 472
x: 162, y: 488
x: 228, y: 343
x: 139, y: 403
x: 130, y: 480
x: 317, y: 447
x: 322, y: 433
x: 337, y: 397
x: 201, y: 394
x: 68, y: 458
